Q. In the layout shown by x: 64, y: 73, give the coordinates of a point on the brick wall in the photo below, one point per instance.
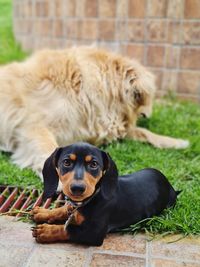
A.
x: 163, y: 34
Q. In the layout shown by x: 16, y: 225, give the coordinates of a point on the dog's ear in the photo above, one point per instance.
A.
x: 50, y: 174
x: 110, y: 176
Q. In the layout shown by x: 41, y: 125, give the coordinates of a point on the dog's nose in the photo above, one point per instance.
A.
x: 77, y: 189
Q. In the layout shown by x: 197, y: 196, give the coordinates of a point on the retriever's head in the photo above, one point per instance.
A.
x: 139, y: 88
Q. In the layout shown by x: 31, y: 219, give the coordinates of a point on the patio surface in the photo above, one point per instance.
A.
x: 19, y: 249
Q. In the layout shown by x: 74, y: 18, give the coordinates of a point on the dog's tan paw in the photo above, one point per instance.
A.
x: 46, y: 233
x: 40, y: 214
x: 42, y: 233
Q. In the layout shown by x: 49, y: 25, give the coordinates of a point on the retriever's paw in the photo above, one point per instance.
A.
x: 169, y: 142
x: 181, y: 144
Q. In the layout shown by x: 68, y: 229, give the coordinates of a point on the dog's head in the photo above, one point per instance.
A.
x: 80, y: 168
x: 140, y: 89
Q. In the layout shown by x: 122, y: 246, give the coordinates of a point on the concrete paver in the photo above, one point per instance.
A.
x: 19, y: 249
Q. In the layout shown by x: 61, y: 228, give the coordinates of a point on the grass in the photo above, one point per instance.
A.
x: 182, y: 167
x: 9, y: 49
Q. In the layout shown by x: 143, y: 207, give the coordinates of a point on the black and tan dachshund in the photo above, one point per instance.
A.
x: 100, y: 201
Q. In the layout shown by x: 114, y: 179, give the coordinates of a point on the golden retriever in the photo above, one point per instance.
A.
x: 57, y: 97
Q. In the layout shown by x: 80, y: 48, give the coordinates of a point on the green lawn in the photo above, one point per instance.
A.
x: 182, y: 167
x: 9, y: 49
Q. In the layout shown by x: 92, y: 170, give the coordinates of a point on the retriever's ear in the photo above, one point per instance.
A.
x: 110, y: 176
x: 50, y: 174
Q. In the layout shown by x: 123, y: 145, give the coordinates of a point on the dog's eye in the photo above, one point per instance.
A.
x: 93, y: 164
x: 67, y: 163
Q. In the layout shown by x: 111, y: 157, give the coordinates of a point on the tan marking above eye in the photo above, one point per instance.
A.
x: 88, y: 158
x: 72, y: 156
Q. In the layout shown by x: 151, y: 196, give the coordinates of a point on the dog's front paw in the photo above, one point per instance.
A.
x: 46, y: 233
x: 40, y: 214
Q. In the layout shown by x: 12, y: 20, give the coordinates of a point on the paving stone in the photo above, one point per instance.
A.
x: 17, y: 232
x: 125, y: 243
x: 107, y: 260
x: 13, y: 256
x: 18, y: 248
x: 42, y: 257
x: 170, y: 263
x: 64, y: 245
x: 184, y: 249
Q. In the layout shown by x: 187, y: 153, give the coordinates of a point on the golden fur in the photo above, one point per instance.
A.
x: 55, y: 98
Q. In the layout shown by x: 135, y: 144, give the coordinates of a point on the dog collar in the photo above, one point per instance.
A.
x: 79, y: 204
x: 75, y: 205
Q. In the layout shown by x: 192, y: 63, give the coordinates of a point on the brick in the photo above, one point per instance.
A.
x: 157, y: 31
x: 190, y: 33
x: 157, y: 8
x: 21, y: 10
x: 27, y: 44
x: 188, y: 82
x: 135, y: 31
x: 43, y: 27
x: 125, y: 243
x: 40, y: 43
x: 192, y: 9
x: 170, y: 263
x: 79, y: 29
x: 137, y: 8
x: 58, y: 8
x: 104, y: 260
x: 122, y: 8
x: 174, y: 32
x: 55, y: 257
x: 16, y: 10
x: 70, y: 8
x: 107, y: 8
x: 107, y: 30
x: 169, y: 82
x: 80, y: 8
x: 71, y: 28
x: 188, y: 97
x: 28, y: 9
x: 37, y: 9
x: 89, y: 30
x: 172, y: 56
x: 23, y: 26
x: 91, y: 8
x: 42, y: 9
x: 121, y: 30
x: 190, y: 58
x: 135, y: 51
x: 175, y: 9
x: 110, y: 46
x: 186, y: 249
x: 58, y: 28
x: 155, y: 56
x: 159, y: 78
